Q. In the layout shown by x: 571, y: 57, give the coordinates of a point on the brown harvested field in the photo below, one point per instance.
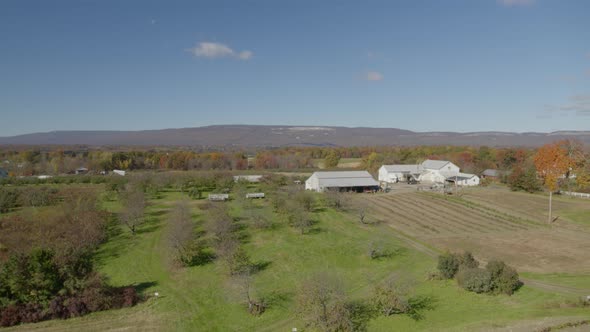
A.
x: 530, y: 206
x: 511, y: 231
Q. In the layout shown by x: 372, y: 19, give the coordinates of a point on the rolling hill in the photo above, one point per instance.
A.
x: 279, y: 136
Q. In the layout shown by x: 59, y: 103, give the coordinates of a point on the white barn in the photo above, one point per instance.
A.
x: 344, y: 181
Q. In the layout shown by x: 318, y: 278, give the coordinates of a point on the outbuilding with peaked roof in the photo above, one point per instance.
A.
x: 490, y: 173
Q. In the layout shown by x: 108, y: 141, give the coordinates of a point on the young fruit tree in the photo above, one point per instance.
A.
x: 552, y: 163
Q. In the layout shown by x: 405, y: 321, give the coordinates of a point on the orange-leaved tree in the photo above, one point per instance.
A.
x: 552, y: 163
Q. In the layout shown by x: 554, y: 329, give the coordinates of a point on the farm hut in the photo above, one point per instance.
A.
x: 248, y: 178
x: 357, y: 181
x: 119, y: 172
x: 399, y: 173
x: 255, y: 195
x: 463, y: 179
x: 218, y: 197
x: 3, y: 173
x: 490, y: 173
x: 81, y: 170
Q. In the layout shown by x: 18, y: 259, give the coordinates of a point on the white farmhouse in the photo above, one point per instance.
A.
x: 438, y: 170
x: 344, y: 181
x: 429, y: 171
x: 464, y: 179
x: 397, y: 173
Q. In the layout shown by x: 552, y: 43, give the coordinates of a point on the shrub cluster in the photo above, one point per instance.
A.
x: 496, y: 278
x: 11, y: 198
x: 76, y: 224
x: 70, y: 179
x: 36, y: 287
x: 524, y: 179
x: 449, y: 263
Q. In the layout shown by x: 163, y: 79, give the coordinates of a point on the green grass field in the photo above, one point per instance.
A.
x: 343, y: 163
x: 203, y: 298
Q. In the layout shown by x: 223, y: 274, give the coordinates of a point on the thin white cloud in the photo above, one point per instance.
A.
x: 578, y: 105
x: 245, y: 55
x: 213, y: 50
x: 512, y: 3
x: 568, y: 78
x: 373, y: 76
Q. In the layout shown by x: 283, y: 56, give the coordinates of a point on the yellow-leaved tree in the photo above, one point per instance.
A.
x: 552, y: 163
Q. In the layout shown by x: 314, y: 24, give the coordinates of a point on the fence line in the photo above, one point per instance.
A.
x: 575, y: 194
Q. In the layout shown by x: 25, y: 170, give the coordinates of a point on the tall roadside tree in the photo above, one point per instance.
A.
x: 552, y: 163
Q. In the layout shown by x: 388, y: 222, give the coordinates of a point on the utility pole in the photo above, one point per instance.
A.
x: 550, y: 197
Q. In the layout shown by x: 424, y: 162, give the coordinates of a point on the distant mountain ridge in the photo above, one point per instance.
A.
x: 280, y: 136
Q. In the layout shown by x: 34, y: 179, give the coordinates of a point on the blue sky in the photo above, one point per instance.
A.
x: 470, y: 65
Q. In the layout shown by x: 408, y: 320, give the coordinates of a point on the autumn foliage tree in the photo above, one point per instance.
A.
x: 552, y: 162
x: 577, y: 159
x: 332, y: 159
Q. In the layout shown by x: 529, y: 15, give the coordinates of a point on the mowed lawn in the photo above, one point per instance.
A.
x: 343, y: 163
x: 204, y: 298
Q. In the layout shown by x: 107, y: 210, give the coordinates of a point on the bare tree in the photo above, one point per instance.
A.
x: 300, y: 219
x: 321, y: 303
x: 133, y: 210
x: 227, y: 246
x: 391, y: 296
x: 256, y: 307
x: 337, y: 199
x: 258, y: 219
x: 181, y: 232
x: 361, y: 207
x: 305, y: 199
x: 220, y: 224
x: 238, y: 261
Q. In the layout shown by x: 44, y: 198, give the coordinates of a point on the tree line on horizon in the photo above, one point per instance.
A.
x: 516, y: 163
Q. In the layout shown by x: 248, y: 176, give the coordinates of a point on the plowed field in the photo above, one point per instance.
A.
x: 490, y: 233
